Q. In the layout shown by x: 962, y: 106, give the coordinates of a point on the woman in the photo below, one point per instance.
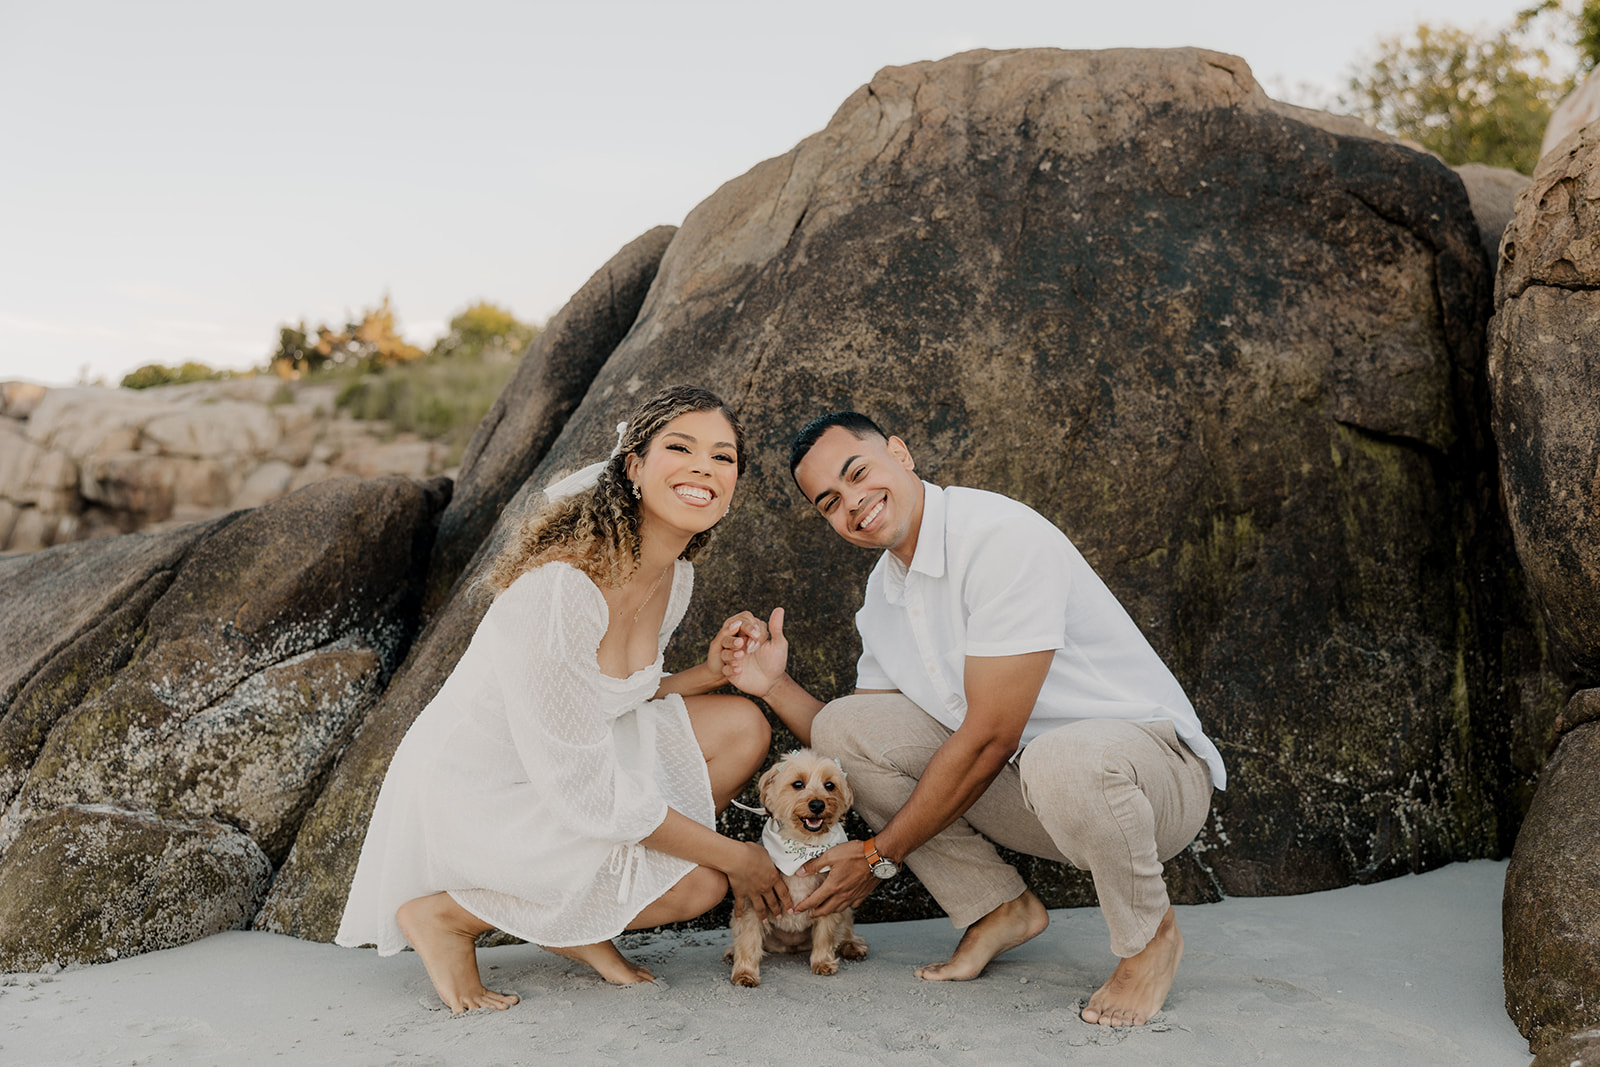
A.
x: 558, y: 787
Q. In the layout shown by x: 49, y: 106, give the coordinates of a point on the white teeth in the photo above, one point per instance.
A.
x: 693, y: 492
x: 871, y: 515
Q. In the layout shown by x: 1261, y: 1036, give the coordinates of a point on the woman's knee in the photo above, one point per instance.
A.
x: 703, y: 889
x: 730, y: 726
x: 749, y: 730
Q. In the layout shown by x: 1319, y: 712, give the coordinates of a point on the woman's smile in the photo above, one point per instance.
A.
x: 698, y: 495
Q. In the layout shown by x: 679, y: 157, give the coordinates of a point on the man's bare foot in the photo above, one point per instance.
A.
x: 442, y: 932
x: 1002, y: 930
x: 612, y: 965
x: 1139, y: 986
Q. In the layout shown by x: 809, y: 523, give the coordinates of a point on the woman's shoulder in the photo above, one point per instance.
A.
x: 552, y: 584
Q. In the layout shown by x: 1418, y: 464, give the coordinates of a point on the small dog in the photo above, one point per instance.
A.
x: 806, y: 796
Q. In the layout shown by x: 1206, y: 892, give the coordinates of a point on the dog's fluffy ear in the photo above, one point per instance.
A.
x: 846, y: 797
x: 765, y: 786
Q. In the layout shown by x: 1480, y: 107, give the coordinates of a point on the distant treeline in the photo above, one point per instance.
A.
x: 441, y: 393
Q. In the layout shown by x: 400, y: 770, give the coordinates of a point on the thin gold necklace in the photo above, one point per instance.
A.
x: 651, y: 594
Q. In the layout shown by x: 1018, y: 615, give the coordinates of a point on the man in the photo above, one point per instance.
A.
x: 1003, y: 696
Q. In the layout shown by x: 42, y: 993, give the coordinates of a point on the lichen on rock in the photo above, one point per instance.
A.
x: 90, y: 883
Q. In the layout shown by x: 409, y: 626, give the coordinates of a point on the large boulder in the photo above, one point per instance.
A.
x: 1551, y: 920
x: 1237, y: 356
x: 1545, y: 374
x: 92, y: 883
x: 213, y: 672
x: 1545, y: 378
x: 555, y: 374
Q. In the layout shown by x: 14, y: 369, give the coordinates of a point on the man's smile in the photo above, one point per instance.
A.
x: 872, y: 515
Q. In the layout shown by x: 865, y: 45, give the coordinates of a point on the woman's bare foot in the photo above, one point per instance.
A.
x: 442, y: 932
x: 1139, y: 986
x: 611, y: 965
x: 1002, y: 930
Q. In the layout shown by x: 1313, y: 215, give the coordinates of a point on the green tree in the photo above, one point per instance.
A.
x: 484, y: 330
x: 1587, y: 24
x: 444, y: 395
x: 153, y: 374
x: 1476, y: 99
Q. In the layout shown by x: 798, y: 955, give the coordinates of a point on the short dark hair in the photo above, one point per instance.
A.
x: 856, y: 423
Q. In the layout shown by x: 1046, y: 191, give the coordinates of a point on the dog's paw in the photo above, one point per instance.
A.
x: 853, y: 949
x: 748, y: 979
x: 825, y: 966
x: 727, y: 957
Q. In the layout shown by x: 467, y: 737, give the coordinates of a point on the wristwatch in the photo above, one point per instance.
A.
x: 882, y: 867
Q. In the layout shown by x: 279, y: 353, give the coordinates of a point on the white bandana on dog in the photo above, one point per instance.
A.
x: 787, y: 855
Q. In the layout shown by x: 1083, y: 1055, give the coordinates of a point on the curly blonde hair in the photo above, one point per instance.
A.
x: 597, y: 530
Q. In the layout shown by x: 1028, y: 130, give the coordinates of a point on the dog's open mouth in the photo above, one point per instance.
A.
x: 813, y: 823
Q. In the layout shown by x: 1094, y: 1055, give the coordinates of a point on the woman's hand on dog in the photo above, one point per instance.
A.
x: 757, y: 884
x: 849, y: 881
x: 753, y: 655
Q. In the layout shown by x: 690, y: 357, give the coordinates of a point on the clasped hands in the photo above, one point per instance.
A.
x: 749, y: 653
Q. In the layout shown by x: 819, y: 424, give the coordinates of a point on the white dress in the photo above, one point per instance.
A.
x: 525, y: 785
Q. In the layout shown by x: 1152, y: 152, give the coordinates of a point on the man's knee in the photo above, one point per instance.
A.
x: 833, y: 731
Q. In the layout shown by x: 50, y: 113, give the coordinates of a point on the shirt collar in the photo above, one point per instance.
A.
x: 928, y: 559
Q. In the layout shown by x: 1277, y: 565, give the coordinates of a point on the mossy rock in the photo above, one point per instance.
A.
x: 94, y: 883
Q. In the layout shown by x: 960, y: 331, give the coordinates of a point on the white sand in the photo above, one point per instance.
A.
x: 1404, y: 972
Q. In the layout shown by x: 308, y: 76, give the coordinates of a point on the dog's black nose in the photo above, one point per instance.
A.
x: 817, y: 807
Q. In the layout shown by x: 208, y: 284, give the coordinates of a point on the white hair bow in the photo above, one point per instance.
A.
x: 585, y: 478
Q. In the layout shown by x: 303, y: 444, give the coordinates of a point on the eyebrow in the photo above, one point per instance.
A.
x: 695, y: 440
x: 844, y: 469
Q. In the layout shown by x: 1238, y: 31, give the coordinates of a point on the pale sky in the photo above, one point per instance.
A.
x: 177, y: 180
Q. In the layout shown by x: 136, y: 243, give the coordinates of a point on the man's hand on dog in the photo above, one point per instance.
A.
x: 757, y: 884
x: 850, y: 880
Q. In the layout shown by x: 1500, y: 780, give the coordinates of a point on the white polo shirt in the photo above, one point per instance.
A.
x: 993, y: 577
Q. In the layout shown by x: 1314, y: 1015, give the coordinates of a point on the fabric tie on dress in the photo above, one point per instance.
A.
x: 788, y: 854
x: 625, y: 862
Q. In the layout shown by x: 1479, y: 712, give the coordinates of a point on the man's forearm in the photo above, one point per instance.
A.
x: 954, y: 779
x: 796, y: 707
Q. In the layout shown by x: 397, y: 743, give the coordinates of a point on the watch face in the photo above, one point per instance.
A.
x: 885, y: 869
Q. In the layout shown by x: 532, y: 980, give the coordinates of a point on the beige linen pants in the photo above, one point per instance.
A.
x: 1110, y: 797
